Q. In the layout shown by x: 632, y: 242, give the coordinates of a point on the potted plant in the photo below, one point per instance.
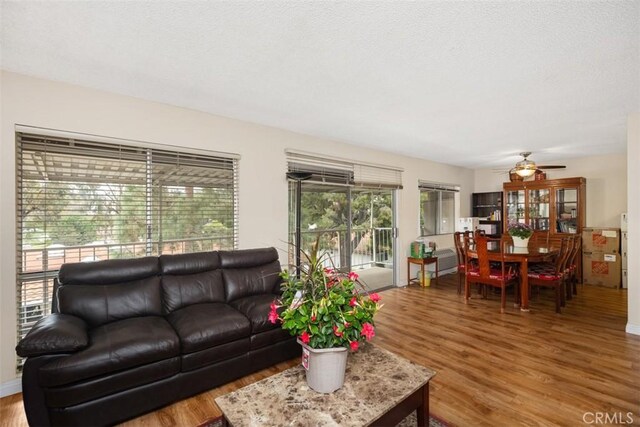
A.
x: 520, y: 233
x: 330, y: 312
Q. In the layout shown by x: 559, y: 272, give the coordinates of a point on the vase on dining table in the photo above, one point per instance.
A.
x: 519, y: 242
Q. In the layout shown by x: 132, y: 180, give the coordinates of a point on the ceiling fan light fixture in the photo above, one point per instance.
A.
x: 525, y: 168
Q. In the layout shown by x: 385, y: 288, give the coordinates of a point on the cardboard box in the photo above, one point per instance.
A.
x: 417, y: 249
x: 605, y: 240
x: 601, y: 269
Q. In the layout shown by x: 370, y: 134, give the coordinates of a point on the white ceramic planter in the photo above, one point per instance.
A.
x: 519, y: 242
x: 325, y: 367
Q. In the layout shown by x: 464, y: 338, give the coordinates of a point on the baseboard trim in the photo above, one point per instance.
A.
x: 633, y: 329
x: 10, y: 387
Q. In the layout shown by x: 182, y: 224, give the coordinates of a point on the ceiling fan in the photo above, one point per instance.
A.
x: 526, y: 167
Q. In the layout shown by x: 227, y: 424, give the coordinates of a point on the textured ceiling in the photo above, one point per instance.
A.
x: 465, y: 83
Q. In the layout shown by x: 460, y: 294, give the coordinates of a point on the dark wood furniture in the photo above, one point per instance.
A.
x: 485, y: 205
x: 458, y: 242
x: 534, y: 253
x: 571, y: 268
x: 554, y: 206
x: 421, y: 262
x: 552, y: 274
x: 497, y: 276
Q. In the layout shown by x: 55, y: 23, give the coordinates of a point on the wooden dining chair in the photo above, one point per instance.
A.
x: 541, y: 238
x: 571, y: 269
x: 552, y: 274
x: 484, y: 274
x: 458, y: 240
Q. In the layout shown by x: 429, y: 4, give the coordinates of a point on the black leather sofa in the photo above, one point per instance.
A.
x: 129, y: 336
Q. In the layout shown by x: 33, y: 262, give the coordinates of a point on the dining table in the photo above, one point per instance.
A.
x: 534, y: 252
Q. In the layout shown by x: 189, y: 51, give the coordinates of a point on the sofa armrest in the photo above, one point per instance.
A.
x: 55, y: 333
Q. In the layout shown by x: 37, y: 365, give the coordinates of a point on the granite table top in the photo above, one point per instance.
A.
x: 376, y: 380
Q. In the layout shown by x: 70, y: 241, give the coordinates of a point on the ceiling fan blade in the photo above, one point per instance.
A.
x: 552, y: 167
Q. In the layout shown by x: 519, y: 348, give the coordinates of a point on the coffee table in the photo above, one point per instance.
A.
x: 380, y: 388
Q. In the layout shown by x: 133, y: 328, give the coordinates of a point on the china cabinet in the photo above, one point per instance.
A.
x: 556, y: 206
x: 553, y: 206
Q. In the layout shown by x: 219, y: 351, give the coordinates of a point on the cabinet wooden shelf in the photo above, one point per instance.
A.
x: 556, y: 206
x: 485, y: 206
x: 553, y: 205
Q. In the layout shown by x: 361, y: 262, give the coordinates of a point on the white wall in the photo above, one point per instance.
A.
x: 633, y: 205
x: 606, y: 185
x: 263, y: 188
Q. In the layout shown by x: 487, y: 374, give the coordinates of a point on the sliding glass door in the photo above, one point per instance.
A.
x: 372, y: 243
x: 353, y: 227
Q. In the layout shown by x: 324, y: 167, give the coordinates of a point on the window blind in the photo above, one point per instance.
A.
x: 334, y: 170
x: 377, y: 177
x: 81, y: 200
x: 427, y: 185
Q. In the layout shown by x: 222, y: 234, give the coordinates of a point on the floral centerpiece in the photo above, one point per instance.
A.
x: 520, y: 233
x: 520, y: 229
x: 325, y: 308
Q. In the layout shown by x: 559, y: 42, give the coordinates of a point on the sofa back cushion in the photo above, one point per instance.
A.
x: 249, y: 272
x: 190, y: 279
x: 105, y: 291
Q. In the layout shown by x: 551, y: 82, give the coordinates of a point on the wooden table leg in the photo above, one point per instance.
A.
x: 524, y: 280
x: 423, y: 409
x: 437, y: 281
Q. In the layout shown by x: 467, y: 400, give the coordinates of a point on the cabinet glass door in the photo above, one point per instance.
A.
x: 515, y: 206
x: 567, y: 210
x: 538, y: 209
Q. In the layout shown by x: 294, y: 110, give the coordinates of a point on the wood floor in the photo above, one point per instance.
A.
x: 536, y: 368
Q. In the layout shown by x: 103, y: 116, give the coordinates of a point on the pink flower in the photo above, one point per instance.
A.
x: 374, y: 297
x: 313, y: 318
x: 347, y: 324
x: 336, y: 331
x: 273, y: 316
x: 353, y: 276
x: 353, y: 302
x: 304, y: 337
x: 354, y: 345
x: 368, y: 331
x: 329, y: 271
x: 331, y: 282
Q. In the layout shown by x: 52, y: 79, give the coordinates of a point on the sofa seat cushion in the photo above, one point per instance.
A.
x: 114, y: 347
x: 94, y: 388
x: 256, y: 308
x: 216, y: 354
x: 201, y: 326
x: 267, y: 338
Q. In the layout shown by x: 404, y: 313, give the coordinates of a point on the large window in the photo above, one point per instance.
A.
x: 437, y: 208
x: 82, y: 200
